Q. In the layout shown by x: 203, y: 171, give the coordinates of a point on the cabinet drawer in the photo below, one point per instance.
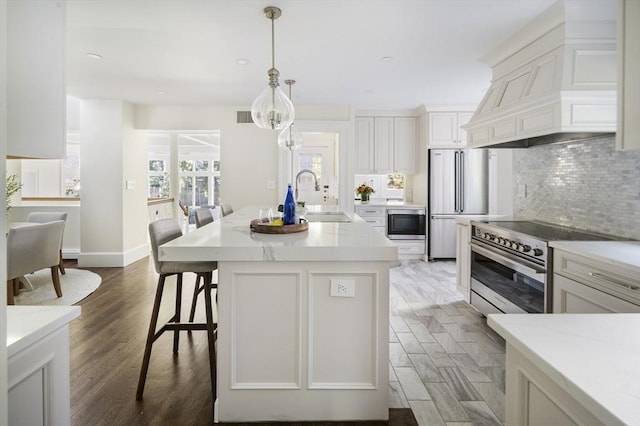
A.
x: 410, y: 248
x: 375, y: 221
x: 371, y: 211
x: 573, y: 297
x: 615, y: 280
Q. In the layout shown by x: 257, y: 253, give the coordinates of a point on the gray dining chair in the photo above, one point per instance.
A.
x: 203, y: 216
x: 32, y: 248
x: 161, y: 232
x: 226, y: 209
x: 44, y: 217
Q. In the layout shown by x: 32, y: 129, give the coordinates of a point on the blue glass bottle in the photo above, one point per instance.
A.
x: 289, y: 208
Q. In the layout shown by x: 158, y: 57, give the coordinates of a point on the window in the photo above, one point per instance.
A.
x: 198, y: 167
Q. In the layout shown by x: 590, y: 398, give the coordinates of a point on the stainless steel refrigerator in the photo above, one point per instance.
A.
x: 458, y: 184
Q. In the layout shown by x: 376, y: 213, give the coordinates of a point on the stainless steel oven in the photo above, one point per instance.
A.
x: 406, y: 224
x: 511, y: 264
x: 501, y: 282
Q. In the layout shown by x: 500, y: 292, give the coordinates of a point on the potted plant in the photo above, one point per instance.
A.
x: 364, y: 191
x: 13, y: 186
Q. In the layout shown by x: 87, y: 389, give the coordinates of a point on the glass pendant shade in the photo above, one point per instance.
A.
x: 290, y: 138
x: 272, y: 109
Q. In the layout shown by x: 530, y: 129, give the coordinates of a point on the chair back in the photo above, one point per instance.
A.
x: 160, y: 232
x: 226, y: 209
x: 33, y: 247
x: 44, y: 217
x: 203, y: 216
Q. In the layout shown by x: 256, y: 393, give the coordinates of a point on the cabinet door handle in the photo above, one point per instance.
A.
x: 614, y: 281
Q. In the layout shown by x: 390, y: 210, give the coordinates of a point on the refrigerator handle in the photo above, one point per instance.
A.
x: 461, y: 181
x: 456, y: 173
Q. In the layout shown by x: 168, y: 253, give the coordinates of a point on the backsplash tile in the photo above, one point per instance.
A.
x: 587, y: 185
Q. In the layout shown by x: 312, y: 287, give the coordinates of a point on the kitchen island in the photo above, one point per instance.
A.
x: 303, y: 318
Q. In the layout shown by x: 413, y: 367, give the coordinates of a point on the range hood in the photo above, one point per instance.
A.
x: 553, y: 81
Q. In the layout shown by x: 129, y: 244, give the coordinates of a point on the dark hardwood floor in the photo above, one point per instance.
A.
x: 107, y: 343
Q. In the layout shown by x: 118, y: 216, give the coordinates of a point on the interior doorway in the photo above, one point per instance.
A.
x: 318, y: 154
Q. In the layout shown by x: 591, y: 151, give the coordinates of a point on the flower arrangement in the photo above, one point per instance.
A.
x: 364, y: 191
x: 13, y: 186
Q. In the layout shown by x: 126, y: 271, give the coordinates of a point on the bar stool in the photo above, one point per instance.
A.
x: 160, y: 232
x: 203, y: 216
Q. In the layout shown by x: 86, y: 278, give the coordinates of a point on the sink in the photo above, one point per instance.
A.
x: 327, y: 217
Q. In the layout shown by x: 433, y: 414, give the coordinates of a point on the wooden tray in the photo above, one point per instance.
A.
x: 284, y: 229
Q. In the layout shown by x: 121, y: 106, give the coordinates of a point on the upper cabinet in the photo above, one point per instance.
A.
x: 386, y: 145
x: 445, y: 129
x: 628, y: 132
x: 35, y: 79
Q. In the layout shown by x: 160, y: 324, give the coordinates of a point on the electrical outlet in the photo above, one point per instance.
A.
x: 131, y: 184
x: 341, y: 287
x: 522, y: 191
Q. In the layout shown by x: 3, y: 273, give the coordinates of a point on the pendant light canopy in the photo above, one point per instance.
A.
x: 272, y: 109
x: 290, y: 138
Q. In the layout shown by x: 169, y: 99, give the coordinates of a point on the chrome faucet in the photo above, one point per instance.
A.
x: 315, y: 178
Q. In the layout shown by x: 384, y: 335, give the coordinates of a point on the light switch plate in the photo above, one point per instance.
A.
x: 131, y: 184
x: 341, y: 287
x: 522, y: 191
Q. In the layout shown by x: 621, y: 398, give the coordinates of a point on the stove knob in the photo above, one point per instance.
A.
x: 516, y: 246
x: 525, y: 248
x: 485, y: 235
x: 492, y: 237
x: 537, y: 252
x: 499, y: 240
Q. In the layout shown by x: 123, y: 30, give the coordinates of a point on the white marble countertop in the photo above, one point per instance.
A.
x: 465, y: 219
x: 618, y: 253
x: 594, y: 357
x: 230, y: 239
x: 394, y: 204
x: 28, y: 324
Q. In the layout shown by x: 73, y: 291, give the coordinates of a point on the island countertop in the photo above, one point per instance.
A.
x: 231, y: 239
x: 593, y: 357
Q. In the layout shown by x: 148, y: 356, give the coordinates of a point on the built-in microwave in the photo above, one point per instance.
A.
x: 406, y: 224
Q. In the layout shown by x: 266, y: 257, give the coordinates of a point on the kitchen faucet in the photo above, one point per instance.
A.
x: 298, y: 179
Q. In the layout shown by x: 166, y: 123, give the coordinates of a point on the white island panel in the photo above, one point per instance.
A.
x: 287, y: 350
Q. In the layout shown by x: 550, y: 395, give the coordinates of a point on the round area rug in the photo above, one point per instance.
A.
x: 76, y: 284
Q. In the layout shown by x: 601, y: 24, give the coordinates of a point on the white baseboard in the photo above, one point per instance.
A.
x: 113, y: 259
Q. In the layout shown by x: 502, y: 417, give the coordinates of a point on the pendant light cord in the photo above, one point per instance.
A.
x: 273, y: 43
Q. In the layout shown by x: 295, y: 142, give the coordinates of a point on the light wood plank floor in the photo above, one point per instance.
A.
x: 446, y: 365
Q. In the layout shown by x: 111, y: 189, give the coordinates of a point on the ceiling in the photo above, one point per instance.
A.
x: 185, y: 52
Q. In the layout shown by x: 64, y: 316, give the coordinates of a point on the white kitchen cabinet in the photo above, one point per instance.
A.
x: 411, y: 249
x: 375, y: 216
x: 586, y: 285
x: 628, y: 127
x: 405, y: 137
x: 38, y: 364
x: 386, y: 145
x: 463, y: 279
x: 533, y: 399
x: 445, y: 129
x: 36, y: 95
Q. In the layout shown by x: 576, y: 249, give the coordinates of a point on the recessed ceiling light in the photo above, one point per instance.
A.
x: 242, y: 61
x: 370, y: 91
x: 387, y: 59
x: 162, y: 92
x: 94, y: 56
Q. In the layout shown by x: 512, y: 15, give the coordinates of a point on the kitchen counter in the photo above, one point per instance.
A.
x: 230, y: 239
x: 617, y: 253
x: 38, y: 364
x: 391, y: 204
x: 303, y: 318
x: 28, y: 324
x: 591, y: 357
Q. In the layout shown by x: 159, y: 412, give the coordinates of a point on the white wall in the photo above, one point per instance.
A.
x: 109, y: 153
x: 248, y: 154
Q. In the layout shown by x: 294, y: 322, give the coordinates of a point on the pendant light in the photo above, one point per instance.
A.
x: 290, y: 138
x: 272, y: 109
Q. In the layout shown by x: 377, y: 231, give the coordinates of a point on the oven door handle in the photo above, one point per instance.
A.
x: 516, y: 266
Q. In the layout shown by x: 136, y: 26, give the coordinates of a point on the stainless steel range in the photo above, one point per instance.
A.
x: 511, y: 264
